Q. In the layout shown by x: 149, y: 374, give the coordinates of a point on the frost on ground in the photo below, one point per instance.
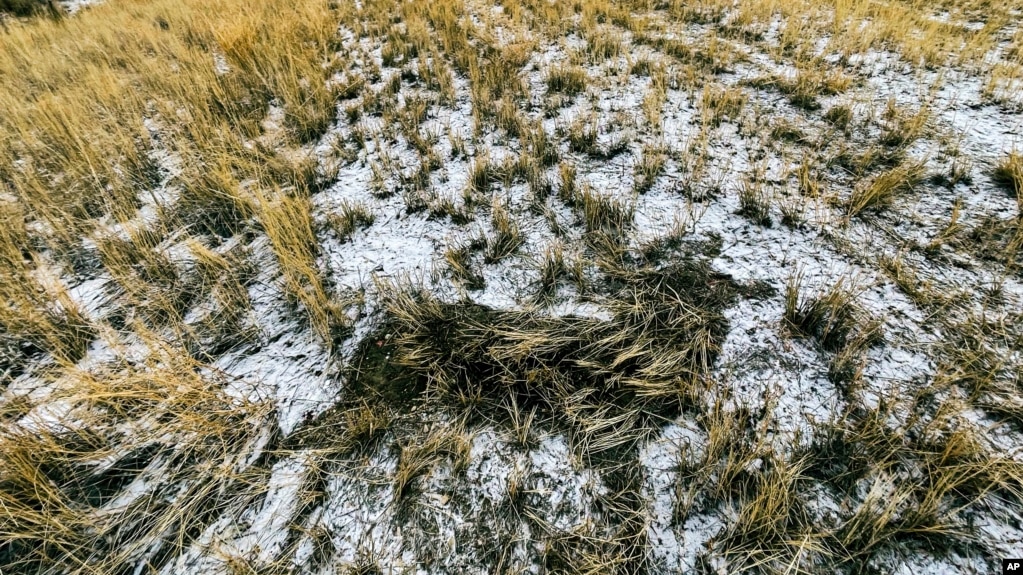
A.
x: 642, y: 288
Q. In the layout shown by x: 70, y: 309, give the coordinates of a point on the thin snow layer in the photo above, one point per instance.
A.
x: 73, y: 6
x: 287, y: 361
x: 675, y: 545
x: 460, y: 514
x: 257, y: 536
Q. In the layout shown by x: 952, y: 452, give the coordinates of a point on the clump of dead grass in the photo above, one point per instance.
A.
x: 836, y: 323
x: 460, y: 261
x: 829, y: 316
x: 719, y: 103
x: 507, y: 237
x: 650, y: 166
x: 349, y: 218
x: 288, y: 223
x: 1009, y: 174
x: 552, y: 269
x: 882, y: 190
x: 570, y: 80
x: 754, y: 201
x: 810, y: 82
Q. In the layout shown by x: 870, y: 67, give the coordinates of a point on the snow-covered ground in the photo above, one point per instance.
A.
x: 463, y: 517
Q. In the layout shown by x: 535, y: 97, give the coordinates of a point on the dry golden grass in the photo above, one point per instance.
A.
x: 35, y: 309
x: 884, y: 189
x: 1009, y: 174
x: 55, y: 479
x: 87, y: 102
x: 288, y: 223
x: 136, y: 128
x: 75, y: 147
